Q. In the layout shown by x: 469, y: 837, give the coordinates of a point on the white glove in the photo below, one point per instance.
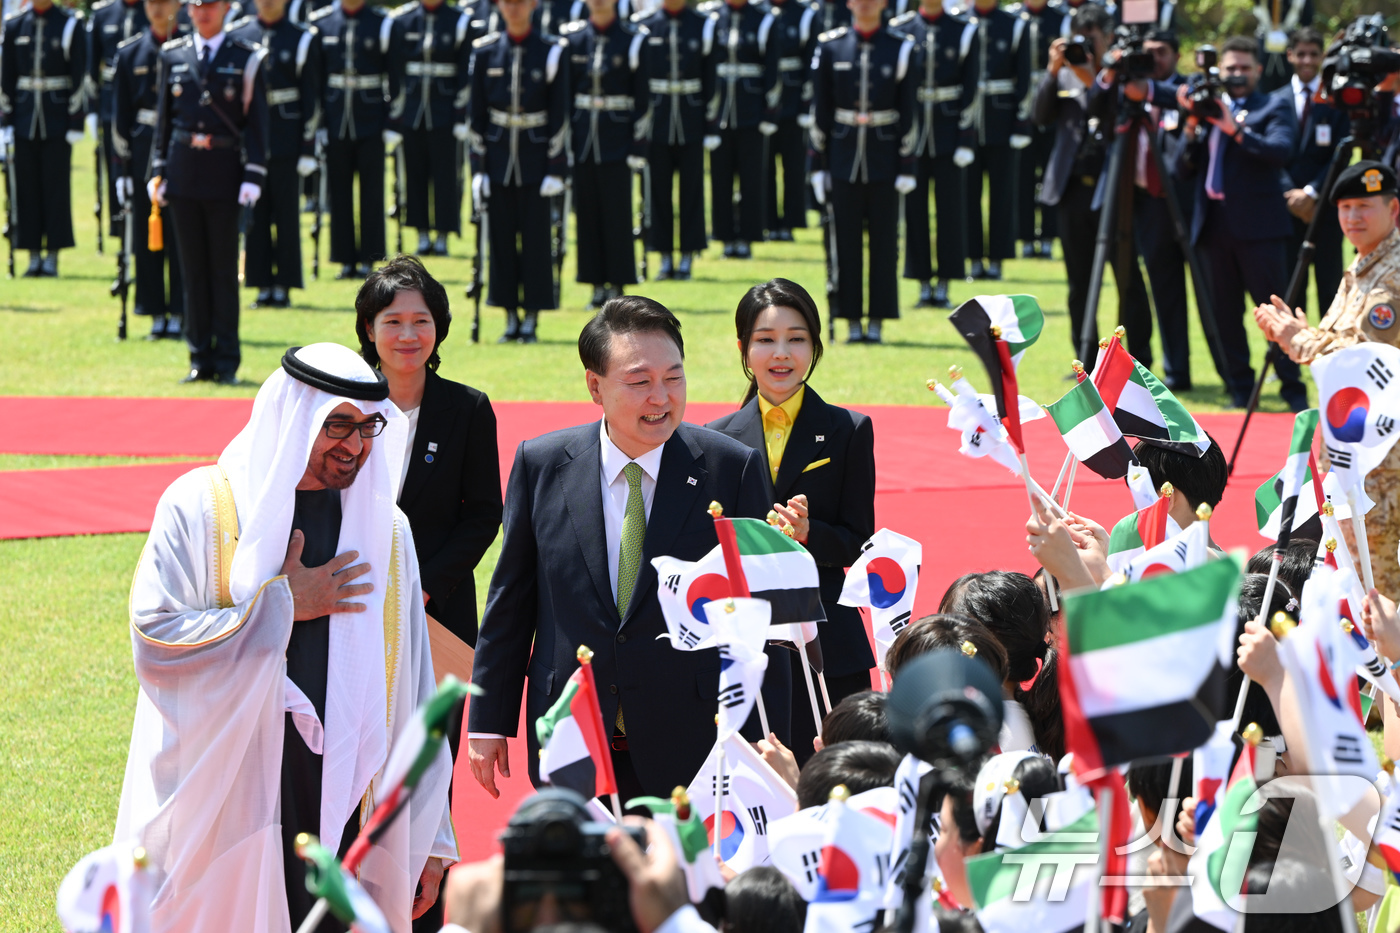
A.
x: 904, y: 184
x: 767, y: 129
x: 805, y: 121
x: 392, y: 139
x: 460, y: 131
x: 125, y: 187
x: 323, y: 137
x: 821, y: 184
x: 481, y: 189
x: 553, y: 185
x: 711, y: 143
x: 963, y: 157
x: 73, y: 137
x: 306, y: 166
x: 636, y: 163
x: 90, y: 121
x: 157, y: 194
x: 1019, y: 142
x: 248, y: 194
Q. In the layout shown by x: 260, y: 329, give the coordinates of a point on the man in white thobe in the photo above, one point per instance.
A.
x: 281, y: 647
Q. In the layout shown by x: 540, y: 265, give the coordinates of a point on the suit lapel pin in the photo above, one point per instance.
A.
x: 821, y: 438
x: 432, y: 446
x: 690, y: 481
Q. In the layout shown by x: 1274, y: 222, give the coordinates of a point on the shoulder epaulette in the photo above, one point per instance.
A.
x: 641, y: 17
x: 238, y: 24
x: 177, y: 43
x: 903, y: 18
x: 102, y: 5
x: 485, y: 40
x: 836, y: 33
x: 575, y: 26
x: 322, y: 13
x: 245, y: 44
x: 710, y: 6
x: 406, y: 8
x: 129, y: 40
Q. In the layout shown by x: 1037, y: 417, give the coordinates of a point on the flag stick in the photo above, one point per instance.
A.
x: 317, y: 914
x: 1261, y: 619
x: 1069, y: 484
x: 1026, y: 475
x: 718, y: 821
x: 1363, y: 546
x: 821, y: 682
x: 806, y: 666
x: 1174, y: 784
x: 616, y: 806
x: 762, y: 713
x: 884, y: 679
x: 1091, y: 920
x: 1055, y: 491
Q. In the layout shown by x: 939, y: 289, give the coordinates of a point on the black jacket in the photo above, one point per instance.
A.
x: 741, y: 69
x: 41, y: 95
x: 519, y: 109
x: 357, y: 82
x: 681, y: 73
x: 134, y: 96
x: 787, y: 37
x: 431, y: 52
x: 947, y: 51
x: 1310, y: 160
x: 608, y: 75
x: 1002, y: 68
x: 552, y: 592
x: 293, y: 81
x: 829, y: 458
x: 110, y: 23
x: 874, y: 144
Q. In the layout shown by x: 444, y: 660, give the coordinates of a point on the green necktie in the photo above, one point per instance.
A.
x: 634, y: 531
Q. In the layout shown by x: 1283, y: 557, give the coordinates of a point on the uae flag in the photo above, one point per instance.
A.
x: 1087, y: 426
x: 1147, y: 665
x: 1178, y: 553
x: 1139, y: 532
x: 573, y: 747
x: 1295, y: 473
x: 1018, y: 320
x: 1223, y: 845
x: 1142, y: 406
x: 1015, y: 895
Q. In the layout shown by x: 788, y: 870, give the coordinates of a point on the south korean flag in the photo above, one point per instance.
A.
x: 1359, y: 397
x: 741, y: 627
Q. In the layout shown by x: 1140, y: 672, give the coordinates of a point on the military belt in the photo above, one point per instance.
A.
x: 283, y: 95
x: 520, y: 121
x: 355, y: 82
x: 609, y: 102
x: 204, y: 140
x: 940, y: 95
x: 867, y: 117
x: 431, y: 69
x: 999, y: 86
x: 791, y: 63
x: 731, y: 70
x: 31, y: 83
x: 146, y: 117
x: 109, y: 72
x: 688, y: 86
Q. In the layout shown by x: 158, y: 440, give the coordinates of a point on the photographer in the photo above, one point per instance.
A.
x: 1239, y: 146
x: 1072, y: 174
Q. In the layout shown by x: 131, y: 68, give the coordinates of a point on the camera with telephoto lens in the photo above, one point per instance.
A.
x: 554, y: 849
x: 1352, y: 67
x: 1077, y: 50
x: 1133, y: 62
x: 1204, y: 88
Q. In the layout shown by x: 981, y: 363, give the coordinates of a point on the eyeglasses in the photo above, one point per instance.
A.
x: 340, y: 430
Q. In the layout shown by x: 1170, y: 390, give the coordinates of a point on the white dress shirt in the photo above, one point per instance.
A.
x: 200, y: 42
x: 1301, y: 93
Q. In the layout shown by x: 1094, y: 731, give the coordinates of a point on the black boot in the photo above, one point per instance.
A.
x: 264, y: 299
x: 425, y: 243
x: 683, y: 273
x: 600, y: 295
x: 347, y: 271
x: 667, y: 270
x: 527, y: 329
x: 440, y: 245
x: 280, y: 299
x: 940, y: 295
x: 36, y: 266
x: 1029, y: 250
x: 512, y: 327
x: 742, y: 250
x: 994, y: 270
x: 976, y: 272
x: 174, y: 326
x: 925, y: 296
x: 50, y: 266
x: 157, y: 327
x: 730, y: 250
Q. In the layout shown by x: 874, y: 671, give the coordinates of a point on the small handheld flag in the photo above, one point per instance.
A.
x: 1089, y: 431
x: 885, y: 578
x: 1359, y: 399
x: 999, y: 329
x: 573, y: 737
x: 108, y: 891
x: 325, y: 878
x: 1141, y: 531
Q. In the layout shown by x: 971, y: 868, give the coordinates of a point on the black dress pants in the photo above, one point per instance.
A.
x: 689, y: 162
x: 999, y: 164
x: 521, y: 273
x: 859, y: 208
x: 44, y: 199
x: 1327, y: 259
x: 603, y: 224
x: 1081, y: 223
x: 946, y: 180
x: 430, y: 156
x: 278, y: 205
x: 788, y: 144
x: 1029, y: 173
x: 1166, y: 274
x: 347, y: 159
x: 737, y: 155
x: 208, y: 235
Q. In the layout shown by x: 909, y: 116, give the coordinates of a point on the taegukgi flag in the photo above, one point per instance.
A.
x: 751, y: 797
x: 886, y: 578
x: 973, y: 415
x: 1139, y: 532
x: 108, y: 891
x: 1359, y: 398
x: 741, y: 628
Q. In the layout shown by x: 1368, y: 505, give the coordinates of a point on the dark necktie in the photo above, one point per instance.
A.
x: 204, y: 56
x: 1307, y: 109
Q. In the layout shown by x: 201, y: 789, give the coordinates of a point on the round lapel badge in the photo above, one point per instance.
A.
x: 177, y: 89
x: 229, y: 92
x: 1382, y: 316
x: 427, y: 458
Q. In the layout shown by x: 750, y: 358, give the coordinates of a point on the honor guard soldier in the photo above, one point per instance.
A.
x: 357, y: 86
x: 788, y: 37
x: 1044, y: 24
x: 293, y: 87
x: 43, y: 61
x: 947, y: 48
x: 734, y: 112
x: 110, y: 23
x: 1277, y: 20
x: 681, y: 64
x: 1003, y: 69
x: 519, y: 115
x: 134, y: 96
x: 299, y: 11
x: 864, y: 135
x: 609, y: 133
x: 550, y: 15
x: 208, y: 160
x: 833, y: 13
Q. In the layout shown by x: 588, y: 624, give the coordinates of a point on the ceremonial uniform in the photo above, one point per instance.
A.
x: 681, y: 76
x: 519, y: 115
x: 1277, y: 19
x: 210, y: 139
x: 1002, y: 68
x: 1043, y: 26
x: 863, y: 137
x: 787, y: 37
x: 43, y: 60
x: 293, y: 86
x: 947, y: 50
x: 110, y: 23
x: 733, y: 113
x: 134, y: 95
x: 611, y: 115
x: 299, y: 11
x: 430, y: 52
x: 354, y: 106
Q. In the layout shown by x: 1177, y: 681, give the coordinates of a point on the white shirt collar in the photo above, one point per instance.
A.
x: 1299, y: 87
x: 200, y: 42
x: 613, y: 459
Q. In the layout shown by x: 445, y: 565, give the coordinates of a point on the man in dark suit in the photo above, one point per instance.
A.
x: 587, y: 508
x: 1320, y: 128
x: 1241, y: 223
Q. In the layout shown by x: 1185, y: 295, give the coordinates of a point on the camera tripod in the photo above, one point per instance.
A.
x: 1116, y: 229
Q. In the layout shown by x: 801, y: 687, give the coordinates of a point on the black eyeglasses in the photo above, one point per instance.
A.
x: 340, y: 430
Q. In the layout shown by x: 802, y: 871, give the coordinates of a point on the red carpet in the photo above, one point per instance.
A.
x: 970, y: 515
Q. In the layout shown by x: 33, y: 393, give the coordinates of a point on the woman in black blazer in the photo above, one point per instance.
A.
x: 822, y: 471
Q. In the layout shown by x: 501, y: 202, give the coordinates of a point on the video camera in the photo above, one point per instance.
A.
x: 1204, y: 87
x: 1352, y: 67
x: 553, y: 848
x: 1133, y: 61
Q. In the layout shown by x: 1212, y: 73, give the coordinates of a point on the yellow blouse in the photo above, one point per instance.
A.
x: 777, y: 425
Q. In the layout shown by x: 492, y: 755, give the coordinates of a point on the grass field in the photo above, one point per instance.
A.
x: 68, y: 692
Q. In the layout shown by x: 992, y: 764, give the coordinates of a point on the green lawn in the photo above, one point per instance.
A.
x: 68, y: 693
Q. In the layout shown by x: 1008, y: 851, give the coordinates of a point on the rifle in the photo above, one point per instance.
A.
x: 643, y: 230
x: 320, y: 211
x: 122, y: 285
x: 97, y: 184
x: 400, y: 197
x: 477, y: 285
x: 11, y: 209
x: 833, y: 271
x: 558, y: 241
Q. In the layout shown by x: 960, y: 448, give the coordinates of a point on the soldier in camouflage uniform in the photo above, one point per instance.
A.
x: 1366, y: 308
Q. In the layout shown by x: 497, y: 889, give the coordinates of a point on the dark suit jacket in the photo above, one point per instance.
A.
x: 452, y: 497
x: 841, y: 498
x: 552, y: 588
x: 1308, y: 162
x: 1057, y: 106
x: 1253, y: 176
